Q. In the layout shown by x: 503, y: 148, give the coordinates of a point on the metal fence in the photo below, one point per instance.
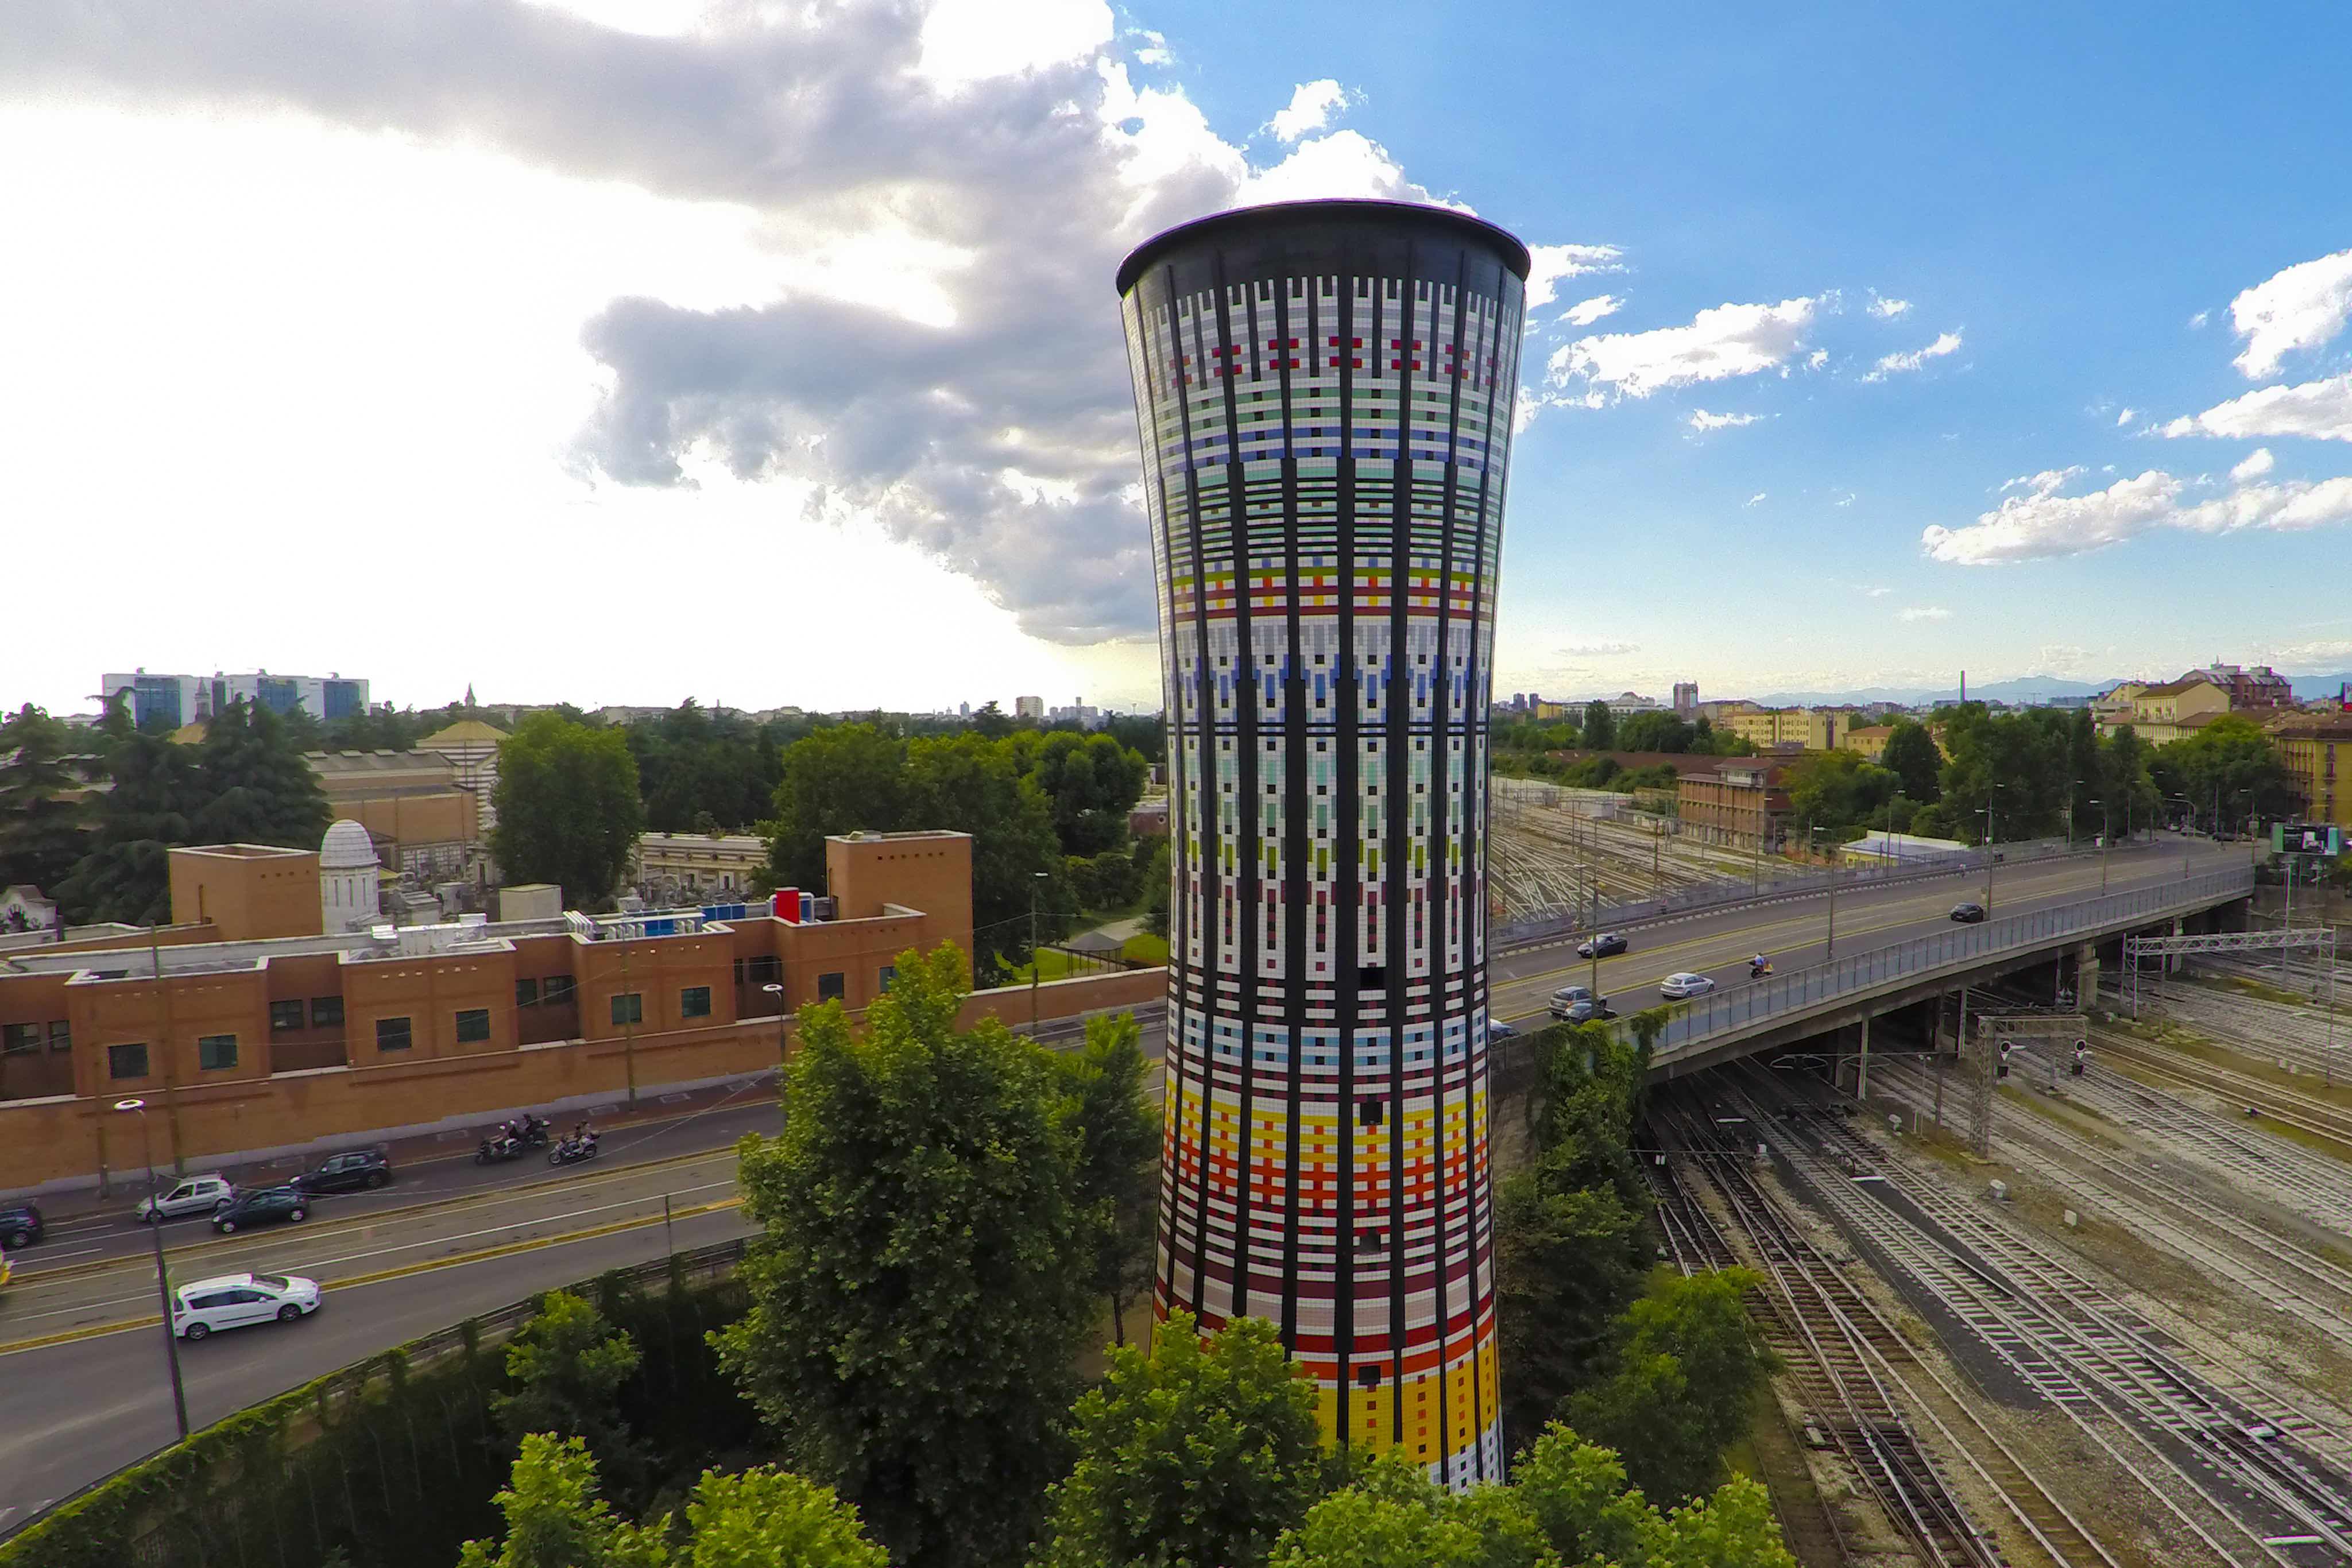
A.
x: 1729, y: 892
x: 1761, y: 1001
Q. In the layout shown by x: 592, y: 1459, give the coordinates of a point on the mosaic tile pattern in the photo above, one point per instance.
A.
x: 1325, y: 394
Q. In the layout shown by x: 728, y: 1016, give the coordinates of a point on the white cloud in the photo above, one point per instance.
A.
x: 1725, y: 341
x: 1899, y: 364
x: 1585, y: 312
x: 1875, y: 591
x: 1153, y: 49
x: 1922, y: 613
x: 2320, y: 410
x: 1846, y: 499
x: 2300, y: 307
x: 2257, y: 463
x: 1753, y: 499
x: 970, y: 40
x: 1817, y: 359
x: 1887, y: 309
x: 2041, y: 484
x: 2197, y: 322
x: 1312, y: 104
x: 2046, y: 524
x: 2125, y: 416
x: 1549, y: 265
x: 2321, y: 657
x: 1596, y: 650
x: 1702, y: 420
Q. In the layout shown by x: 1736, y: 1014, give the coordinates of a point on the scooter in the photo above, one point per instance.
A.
x: 498, y: 1150
x: 571, y: 1151
x: 1757, y: 971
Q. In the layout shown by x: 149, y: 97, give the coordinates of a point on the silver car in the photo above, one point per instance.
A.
x: 191, y: 1195
x: 1682, y: 987
x: 232, y: 1301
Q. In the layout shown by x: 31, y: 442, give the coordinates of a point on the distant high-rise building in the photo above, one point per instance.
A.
x: 1325, y: 392
x: 184, y: 699
x: 1029, y: 707
x: 964, y: 710
x: 1685, y: 698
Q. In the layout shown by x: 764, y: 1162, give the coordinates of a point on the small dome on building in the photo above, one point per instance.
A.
x: 347, y: 847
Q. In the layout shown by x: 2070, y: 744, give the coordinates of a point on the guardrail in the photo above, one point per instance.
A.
x: 1755, y: 1002
x: 1732, y: 892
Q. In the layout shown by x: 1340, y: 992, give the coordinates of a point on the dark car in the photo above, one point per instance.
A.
x: 20, y: 1225
x: 1968, y: 914
x: 1589, y: 1010
x: 1608, y: 941
x: 1497, y: 1029
x: 263, y: 1206
x: 347, y: 1172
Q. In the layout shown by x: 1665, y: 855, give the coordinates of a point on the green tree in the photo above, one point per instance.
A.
x: 1837, y: 792
x: 922, y: 1291
x: 1568, y: 1259
x: 696, y: 766
x: 567, y: 1364
x: 568, y: 808
x: 254, y: 785
x: 151, y: 810
x: 1658, y: 731
x: 2224, y: 767
x: 845, y: 779
x: 1577, y: 1494
x: 761, y: 1518
x: 990, y: 721
x: 1599, y: 727
x: 1090, y: 783
x: 1689, y: 1367
x: 1203, y: 1452
x: 1911, y: 756
x: 44, y: 829
x: 1393, y: 1517
x: 1117, y: 1182
x: 965, y: 784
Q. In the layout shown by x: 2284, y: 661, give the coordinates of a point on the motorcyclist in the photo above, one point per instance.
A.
x: 1758, y: 965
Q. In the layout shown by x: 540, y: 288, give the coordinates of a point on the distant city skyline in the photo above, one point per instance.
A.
x: 1820, y: 395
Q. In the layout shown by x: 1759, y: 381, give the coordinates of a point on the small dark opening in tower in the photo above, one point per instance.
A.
x: 1372, y: 977
x: 1369, y: 1113
x: 1367, y: 1377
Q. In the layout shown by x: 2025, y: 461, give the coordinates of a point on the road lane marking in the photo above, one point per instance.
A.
x: 486, y: 1254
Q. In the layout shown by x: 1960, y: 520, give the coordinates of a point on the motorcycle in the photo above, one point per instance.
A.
x: 498, y: 1150
x: 1757, y: 971
x: 528, y: 1130
x: 571, y: 1151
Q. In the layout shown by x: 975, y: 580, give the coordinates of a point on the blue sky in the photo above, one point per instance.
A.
x: 622, y: 350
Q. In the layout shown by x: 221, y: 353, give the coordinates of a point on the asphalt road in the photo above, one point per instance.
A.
x: 451, y: 1239
x: 1793, y: 934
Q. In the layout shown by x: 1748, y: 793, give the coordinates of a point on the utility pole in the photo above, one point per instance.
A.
x: 1034, y: 878
x: 1596, y: 943
x: 628, y: 1019
x: 1988, y: 822
x: 2106, y: 833
x: 170, y: 1066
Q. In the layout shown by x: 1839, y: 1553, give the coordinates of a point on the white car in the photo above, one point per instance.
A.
x: 233, y: 1301
x: 1678, y: 987
x: 194, y: 1195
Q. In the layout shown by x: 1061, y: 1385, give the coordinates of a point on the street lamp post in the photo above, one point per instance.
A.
x: 1987, y: 809
x: 2106, y: 841
x: 1035, y: 878
x: 777, y: 992
x: 1829, y: 942
x: 162, y: 1280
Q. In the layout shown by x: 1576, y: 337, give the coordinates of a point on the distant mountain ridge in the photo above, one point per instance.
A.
x: 2022, y: 689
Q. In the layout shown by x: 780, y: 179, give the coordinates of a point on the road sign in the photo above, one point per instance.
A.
x: 2308, y: 838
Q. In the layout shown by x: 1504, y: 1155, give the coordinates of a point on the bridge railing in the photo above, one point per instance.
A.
x: 1749, y: 1003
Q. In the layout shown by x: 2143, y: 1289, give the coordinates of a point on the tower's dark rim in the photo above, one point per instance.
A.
x: 1242, y: 221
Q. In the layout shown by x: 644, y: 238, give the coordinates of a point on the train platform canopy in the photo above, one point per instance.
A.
x: 1875, y: 848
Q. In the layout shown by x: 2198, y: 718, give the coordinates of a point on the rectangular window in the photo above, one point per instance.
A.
x: 473, y: 1025
x: 216, y: 1052
x: 694, y: 1003
x: 526, y: 993
x: 829, y: 987
x: 60, y: 1035
x: 890, y: 973
x: 391, y: 1034
x: 284, y: 1016
x: 628, y: 1007
x: 326, y: 1012
x: 126, y: 1061
x: 557, y: 992
x: 16, y: 1037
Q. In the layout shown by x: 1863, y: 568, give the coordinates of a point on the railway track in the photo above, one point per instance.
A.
x: 2291, y: 1034
x: 1859, y: 1377
x: 2239, y: 1467
x: 2304, y: 1112
x: 2279, y: 1272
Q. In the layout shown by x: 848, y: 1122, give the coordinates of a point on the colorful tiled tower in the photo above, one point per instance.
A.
x: 1325, y: 392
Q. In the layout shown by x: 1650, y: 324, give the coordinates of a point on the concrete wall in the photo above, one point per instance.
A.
x: 247, y: 892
